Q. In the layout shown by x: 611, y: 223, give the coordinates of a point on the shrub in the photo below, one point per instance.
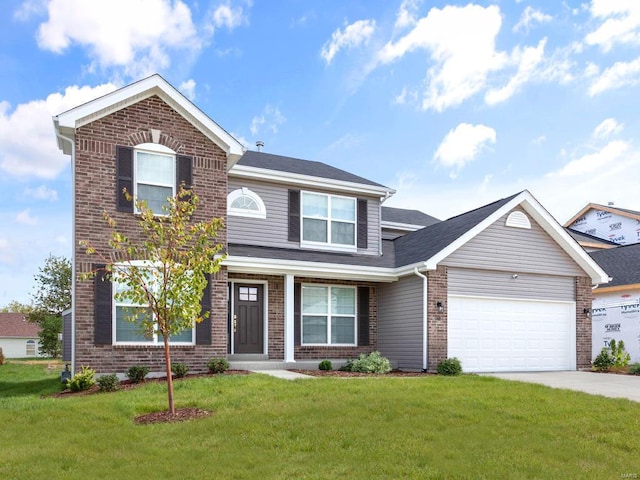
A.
x: 634, y: 368
x: 325, y: 365
x: 179, y: 369
x: 2, y: 359
x: 83, y: 380
x: 347, y: 367
x: 450, y: 366
x: 137, y: 373
x: 108, y: 383
x: 218, y: 365
x: 372, y: 363
x: 604, y: 361
x: 621, y: 357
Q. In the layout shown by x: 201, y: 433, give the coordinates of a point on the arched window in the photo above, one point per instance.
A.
x: 245, y: 203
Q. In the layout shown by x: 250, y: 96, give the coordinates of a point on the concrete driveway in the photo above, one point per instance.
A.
x: 606, y: 384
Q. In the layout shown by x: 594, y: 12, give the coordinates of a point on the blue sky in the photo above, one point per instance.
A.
x: 453, y: 104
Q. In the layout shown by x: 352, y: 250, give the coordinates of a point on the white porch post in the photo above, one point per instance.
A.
x: 288, y: 319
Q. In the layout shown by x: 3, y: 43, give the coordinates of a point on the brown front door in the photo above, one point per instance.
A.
x: 248, y: 320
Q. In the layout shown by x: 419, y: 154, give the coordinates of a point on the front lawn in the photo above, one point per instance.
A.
x: 262, y: 427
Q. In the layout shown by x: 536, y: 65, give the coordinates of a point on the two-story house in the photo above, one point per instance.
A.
x: 317, y: 267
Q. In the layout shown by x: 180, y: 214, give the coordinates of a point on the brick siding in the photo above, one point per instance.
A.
x: 584, y: 299
x: 95, y: 191
x: 436, y: 322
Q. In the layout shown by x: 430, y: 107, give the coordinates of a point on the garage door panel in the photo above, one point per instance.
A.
x: 492, y: 335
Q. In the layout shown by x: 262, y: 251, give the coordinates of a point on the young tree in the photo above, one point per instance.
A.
x: 52, y: 296
x: 16, y: 307
x: 166, y: 270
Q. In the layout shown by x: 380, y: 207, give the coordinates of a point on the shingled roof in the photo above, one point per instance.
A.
x: 16, y: 325
x: 311, y: 168
x: 622, y: 264
x: 585, y: 238
x: 408, y: 217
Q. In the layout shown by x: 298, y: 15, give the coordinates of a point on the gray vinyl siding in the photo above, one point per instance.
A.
x: 400, y: 307
x: 66, y: 337
x: 491, y: 283
x: 272, y: 231
x: 499, y: 247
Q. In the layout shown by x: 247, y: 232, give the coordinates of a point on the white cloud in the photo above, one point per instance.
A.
x: 188, y: 88
x: 406, y: 16
x: 528, y: 60
x: 352, y: 36
x: 591, y: 162
x: 41, y: 193
x: 606, y: 128
x: 227, y: 16
x: 461, y: 44
x: 245, y: 143
x: 539, y: 140
x: 24, y: 217
x: 136, y: 35
x: 530, y: 16
x: 271, y: 118
x: 27, y: 142
x: 620, y: 23
x: 616, y: 76
x: 462, y: 145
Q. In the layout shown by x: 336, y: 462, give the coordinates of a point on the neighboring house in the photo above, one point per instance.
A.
x: 18, y: 337
x: 616, y: 305
x: 589, y: 242
x: 316, y: 267
x: 617, y: 225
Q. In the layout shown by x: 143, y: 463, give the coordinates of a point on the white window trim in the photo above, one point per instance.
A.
x: 240, y: 212
x: 151, y: 343
x: 328, y: 245
x: 329, y: 315
x: 156, y: 149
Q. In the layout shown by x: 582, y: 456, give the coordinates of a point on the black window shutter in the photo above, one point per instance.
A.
x: 124, y: 178
x: 203, y: 329
x: 363, y: 316
x: 363, y: 226
x: 294, y: 215
x: 102, y: 305
x: 183, y: 172
x: 297, y: 313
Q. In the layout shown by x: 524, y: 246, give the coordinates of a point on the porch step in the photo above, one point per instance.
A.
x: 248, y: 357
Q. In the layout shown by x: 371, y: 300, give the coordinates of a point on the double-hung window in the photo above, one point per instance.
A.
x: 328, y: 315
x: 329, y: 220
x: 131, y: 332
x: 155, y: 176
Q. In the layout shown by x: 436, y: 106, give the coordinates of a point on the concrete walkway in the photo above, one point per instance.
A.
x: 283, y: 374
x: 605, y: 384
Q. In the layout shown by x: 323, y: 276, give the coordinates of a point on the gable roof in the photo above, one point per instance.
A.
x: 66, y: 123
x: 426, y: 248
x: 609, y: 208
x: 592, y: 241
x: 621, y: 263
x: 281, y: 169
x: 400, y: 216
x: 16, y: 325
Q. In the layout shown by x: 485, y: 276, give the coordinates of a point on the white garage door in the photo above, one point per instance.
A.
x: 505, y: 335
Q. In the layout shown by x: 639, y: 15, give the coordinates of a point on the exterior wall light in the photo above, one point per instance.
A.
x: 587, y: 312
x: 440, y: 307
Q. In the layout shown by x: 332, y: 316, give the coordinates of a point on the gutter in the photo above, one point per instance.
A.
x: 73, y: 252
x: 424, y: 317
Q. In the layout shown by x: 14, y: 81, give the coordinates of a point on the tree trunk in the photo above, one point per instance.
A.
x: 167, y: 361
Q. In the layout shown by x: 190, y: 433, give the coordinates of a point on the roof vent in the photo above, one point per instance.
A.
x: 518, y: 219
x: 610, y: 204
x: 259, y: 144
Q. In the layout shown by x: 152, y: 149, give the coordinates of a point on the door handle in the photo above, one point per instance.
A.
x: 235, y: 323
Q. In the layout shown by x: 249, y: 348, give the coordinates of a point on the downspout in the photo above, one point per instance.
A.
x: 73, y: 251
x: 424, y: 317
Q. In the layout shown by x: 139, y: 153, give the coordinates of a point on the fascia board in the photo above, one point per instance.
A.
x: 264, y: 174
x: 401, y: 226
x: 321, y: 270
x: 135, y: 92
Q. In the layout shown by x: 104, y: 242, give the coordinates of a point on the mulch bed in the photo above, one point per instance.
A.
x: 181, y: 415
x: 339, y: 373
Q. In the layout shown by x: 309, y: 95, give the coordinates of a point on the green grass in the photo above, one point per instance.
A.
x: 262, y: 427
